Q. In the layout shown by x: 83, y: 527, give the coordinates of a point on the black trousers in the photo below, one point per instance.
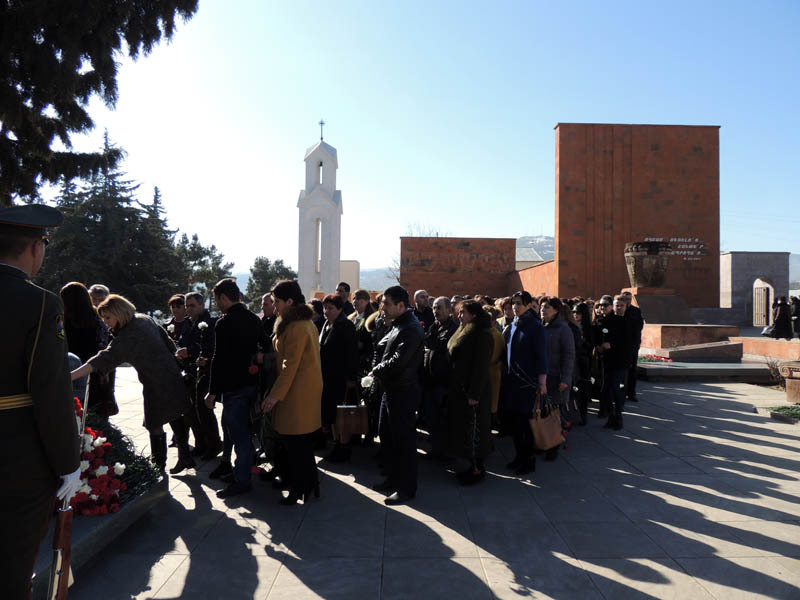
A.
x: 614, y: 391
x: 206, y: 428
x: 519, y: 427
x: 398, y: 431
x: 294, y: 459
x: 25, y: 512
x: 631, y: 380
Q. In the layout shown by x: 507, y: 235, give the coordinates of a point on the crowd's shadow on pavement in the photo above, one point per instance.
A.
x: 677, y: 504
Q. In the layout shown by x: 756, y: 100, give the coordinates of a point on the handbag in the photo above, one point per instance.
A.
x: 768, y: 331
x: 351, y: 419
x: 546, y: 426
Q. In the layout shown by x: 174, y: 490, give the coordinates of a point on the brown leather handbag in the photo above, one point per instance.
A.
x: 546, y: 425
x: 351, y: 419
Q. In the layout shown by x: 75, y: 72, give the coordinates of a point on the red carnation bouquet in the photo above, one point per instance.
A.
x: 101, y: 487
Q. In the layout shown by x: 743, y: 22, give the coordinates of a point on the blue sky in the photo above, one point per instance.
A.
x: 443, y: 113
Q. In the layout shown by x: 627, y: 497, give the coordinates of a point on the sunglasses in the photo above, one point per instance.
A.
x: 604, y: 304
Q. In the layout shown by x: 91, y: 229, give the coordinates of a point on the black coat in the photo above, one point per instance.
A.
x: 425, y: 317
x: 339, y: 355
x: 528, y: 361
x: 401, y: 351
x: 238, y: 337
x: 613, y: 329
x: 783, y: 321
x: 633, y: 317
x: 437, y: 368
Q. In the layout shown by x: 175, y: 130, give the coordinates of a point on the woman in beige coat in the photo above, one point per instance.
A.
x: 296, y: 394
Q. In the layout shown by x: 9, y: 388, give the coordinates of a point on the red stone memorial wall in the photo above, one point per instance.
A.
x: 624, y: 183
x: 447, y: 266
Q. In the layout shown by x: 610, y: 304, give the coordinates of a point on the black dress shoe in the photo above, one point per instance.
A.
x: 183, y: 463
x: 385, y: 487
x: 398, y: 498
x: 234, y: 489
x: 223, y: 468
x: 633, y: 399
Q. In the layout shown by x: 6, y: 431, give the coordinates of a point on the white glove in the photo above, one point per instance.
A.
x: 70, y: 484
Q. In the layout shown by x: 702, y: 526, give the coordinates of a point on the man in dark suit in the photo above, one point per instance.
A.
x: 398, y: 373
x: 195, y: 349
x: 343, y: 291
x: 38, y: 433
x: 635, y: 322
x: 611, y: 335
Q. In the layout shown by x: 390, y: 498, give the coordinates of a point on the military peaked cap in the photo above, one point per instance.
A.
x: 37, y: 216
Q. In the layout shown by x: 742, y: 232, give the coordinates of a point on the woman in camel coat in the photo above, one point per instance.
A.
x: 295, y: 397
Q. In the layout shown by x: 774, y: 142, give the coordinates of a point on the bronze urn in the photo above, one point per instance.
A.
x: 647, y: 263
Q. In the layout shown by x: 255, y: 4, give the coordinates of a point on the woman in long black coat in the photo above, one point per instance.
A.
x: 782, y: 319
x: 146, y: 346
x: 469, y: 398
x: 338, y: 346
x: 86, y: 335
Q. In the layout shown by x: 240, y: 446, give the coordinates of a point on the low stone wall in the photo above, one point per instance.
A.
x: 723, y: 316
x: 669, y: 336
x: 769, y: 348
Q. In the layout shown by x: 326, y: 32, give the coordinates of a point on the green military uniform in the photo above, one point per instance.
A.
x: 38, y: 430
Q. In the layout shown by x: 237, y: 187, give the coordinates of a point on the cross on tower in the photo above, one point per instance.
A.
x: 321, y: 125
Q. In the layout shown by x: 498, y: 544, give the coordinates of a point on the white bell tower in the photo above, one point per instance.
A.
x: 320, y: 207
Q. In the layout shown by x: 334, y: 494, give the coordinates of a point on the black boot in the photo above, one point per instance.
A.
x: 185, y: 460
x: 618, y: 421
x: 158, y: 450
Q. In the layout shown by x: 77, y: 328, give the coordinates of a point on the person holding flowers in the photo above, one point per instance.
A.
x: 146, y: 346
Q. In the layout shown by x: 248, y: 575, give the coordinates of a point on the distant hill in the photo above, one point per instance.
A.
x: 544, y: 245
x: 376, y: 280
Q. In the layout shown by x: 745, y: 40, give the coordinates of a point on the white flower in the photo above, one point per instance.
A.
x: 592, y: 379
x: 202, y: 325
x: 84, y: 465
x: 366, y: 381
x: 171, y: 328
x: 87, y: 447
x: 101, y: 470
x: 99, y: 442
x: 93, y: 497
x: 119, y: 469
x: 605, y: 330
x: 87, y: 437
x: 85, y: 489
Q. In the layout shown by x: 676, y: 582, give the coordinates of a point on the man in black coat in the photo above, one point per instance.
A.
x: 234, y: 378
x: 343, y: 291
x: 422, y: 309
x: 436, y: 374
x: 39, y: 457
x: 195, y: 349
x: 398, y: 373
x: 635, y: 322
x: 611, y: 335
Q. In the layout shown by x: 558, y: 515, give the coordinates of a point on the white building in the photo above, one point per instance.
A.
x: 320, y: 234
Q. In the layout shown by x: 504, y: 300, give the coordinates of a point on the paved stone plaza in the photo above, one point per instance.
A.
x: 698, y: 497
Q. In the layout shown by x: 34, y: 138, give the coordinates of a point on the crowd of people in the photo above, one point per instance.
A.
x: 452, y: 371
x: 443, y: 374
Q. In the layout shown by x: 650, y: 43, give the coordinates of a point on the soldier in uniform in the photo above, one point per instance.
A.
x: 39, y: 457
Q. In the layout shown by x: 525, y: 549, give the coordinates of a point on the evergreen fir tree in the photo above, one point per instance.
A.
x: 54, y: 57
